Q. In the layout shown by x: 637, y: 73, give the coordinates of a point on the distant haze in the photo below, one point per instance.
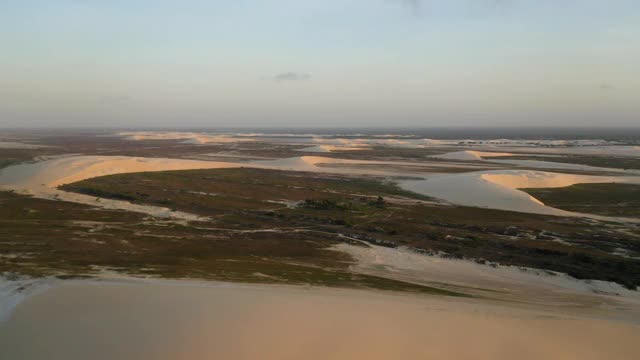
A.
x: 331, y: 63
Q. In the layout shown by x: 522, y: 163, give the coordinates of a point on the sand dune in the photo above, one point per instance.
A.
x: 366, y: 143
x: 223, y: 321
x: 470, y: 155
x: 499, y: 189
x: 566, y: 143
x: 607, y: 150
x: 309, y: 163
x: 538, y: 164
x: 496, y: 189
x: 344, y: 166
x: 330, y: 148
x: 537, y: 179
x: 41, y: 179
x: 301, y: 163
x: 186, y: 137
x: 56, y: 172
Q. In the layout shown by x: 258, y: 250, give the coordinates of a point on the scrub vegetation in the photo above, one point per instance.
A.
x: 44, y: 237
x: 614, y: 162
x: 621, y: 200
x: 259, y: 205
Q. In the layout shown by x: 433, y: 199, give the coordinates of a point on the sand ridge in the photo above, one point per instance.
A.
x: 65, y: 170
x: 495, y: 189
x: 498, y: 189
x: 470, y: 155
x: 186, y: 137
x: 41, y: 179
x: 331, y: 148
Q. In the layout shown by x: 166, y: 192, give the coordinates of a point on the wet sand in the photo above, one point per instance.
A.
x: 178, y: 320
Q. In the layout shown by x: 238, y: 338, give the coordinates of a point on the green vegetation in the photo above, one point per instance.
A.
x: 42, y: 237
x: 6, y: 162
x: 290, y: 209
x: 602, y: 199
x: 614, y: 162
x: 11, y: 156
x: 218, y: 192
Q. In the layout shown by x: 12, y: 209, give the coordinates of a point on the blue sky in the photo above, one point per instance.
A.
x: 329, y: 63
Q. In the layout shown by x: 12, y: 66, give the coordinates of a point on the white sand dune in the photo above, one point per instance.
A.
x: 300, y: 163
x: 367, y: 143
x: 538, y: 179
x: 186, y: 137
x: 41, y: 179
x: 303, y: 163
x: 498, y: 189
x: 331, y: 148
x: 491, y: 189
x: 566, y: 143
x: 608, y: 150
x: 168, y: 320
x: 222, y: 139
x: 311, y: 163
x: 343, y: 166
x: 538, y: 164
x: 470, y: 155
x: 340, y: 141
x: 56, y: 172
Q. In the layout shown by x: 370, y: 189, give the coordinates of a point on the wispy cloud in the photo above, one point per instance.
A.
x: 414, y: 5
x: 291, y: 76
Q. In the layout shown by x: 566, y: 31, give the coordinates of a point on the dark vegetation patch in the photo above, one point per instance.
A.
x: 240, y: 199
x: 615, y: 162
x: 602, y: 199
x: 221, y: 191
x: 42, y: 237
x: 10, y: 157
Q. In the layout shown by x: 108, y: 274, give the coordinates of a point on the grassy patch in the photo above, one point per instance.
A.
x: 42, y: 237
x: 615, y: 162
x: 602, y: 199
x: 238, y: 200
x: 216, y: 192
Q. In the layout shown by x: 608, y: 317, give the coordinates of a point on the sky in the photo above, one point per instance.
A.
x: 330, y: 63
